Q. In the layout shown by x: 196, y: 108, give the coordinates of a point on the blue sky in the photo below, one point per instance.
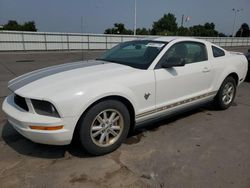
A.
x: 65, y: 15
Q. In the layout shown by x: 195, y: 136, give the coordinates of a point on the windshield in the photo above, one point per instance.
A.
x: 138, y: 54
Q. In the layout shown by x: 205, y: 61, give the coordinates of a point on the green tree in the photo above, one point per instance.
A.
x: 142, y: 31
x: 13, y: 25
x: 119, y: 28
x: 206, y: 30
x: 166, y: 25
x: 243, y: 31
x: 29, y: 26
x: 183, y: 31
x: 222, y: 35
x: 209, y: 26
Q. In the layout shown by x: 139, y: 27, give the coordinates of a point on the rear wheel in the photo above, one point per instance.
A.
x: 226, y: 93
x: 104, y: 127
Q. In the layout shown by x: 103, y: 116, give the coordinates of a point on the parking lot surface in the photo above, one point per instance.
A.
x: 200, y: 148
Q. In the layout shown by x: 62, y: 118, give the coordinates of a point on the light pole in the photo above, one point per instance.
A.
x: 235, y: 14
x: 135, y: 20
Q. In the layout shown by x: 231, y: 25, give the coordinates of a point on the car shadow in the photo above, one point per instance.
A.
x: 26, y: 147
x: 248, y: 78
x: 167, y: 121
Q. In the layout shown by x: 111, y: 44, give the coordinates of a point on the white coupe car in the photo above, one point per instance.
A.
x: 100, y: 100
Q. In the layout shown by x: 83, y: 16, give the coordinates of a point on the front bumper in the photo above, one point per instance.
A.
x: 22, y: 120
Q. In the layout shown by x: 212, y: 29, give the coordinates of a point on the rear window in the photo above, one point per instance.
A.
x: 217, y: 52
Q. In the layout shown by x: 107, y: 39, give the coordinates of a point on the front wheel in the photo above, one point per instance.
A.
x: 104, y: 127
x: 226, y: 93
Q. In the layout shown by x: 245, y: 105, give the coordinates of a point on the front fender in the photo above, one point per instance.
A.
x: 78, y: 102
x: 100, y: 94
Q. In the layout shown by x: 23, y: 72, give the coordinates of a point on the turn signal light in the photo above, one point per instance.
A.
x: 53, y: 128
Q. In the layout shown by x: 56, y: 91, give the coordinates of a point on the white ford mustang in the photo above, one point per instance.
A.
x: 99, y: 101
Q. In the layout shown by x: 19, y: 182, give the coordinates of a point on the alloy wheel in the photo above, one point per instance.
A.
x: 228, y: 93
x: 107, y: 127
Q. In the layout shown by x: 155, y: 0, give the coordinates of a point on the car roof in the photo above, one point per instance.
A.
x: 172, y: 38
x: 167, y: 39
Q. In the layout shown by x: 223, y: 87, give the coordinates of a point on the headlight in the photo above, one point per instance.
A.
x: 44, y: 108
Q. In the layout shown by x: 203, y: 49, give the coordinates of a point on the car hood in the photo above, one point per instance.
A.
x: 62, y: 78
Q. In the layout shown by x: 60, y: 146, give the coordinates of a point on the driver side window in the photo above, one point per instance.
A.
x: 190, y: 52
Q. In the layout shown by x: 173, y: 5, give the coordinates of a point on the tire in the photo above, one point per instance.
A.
x: 95, y: 125
x: 224, y: 97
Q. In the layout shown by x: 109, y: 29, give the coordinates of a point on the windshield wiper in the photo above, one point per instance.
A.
x: 107, y: 60
x: 121, y: 63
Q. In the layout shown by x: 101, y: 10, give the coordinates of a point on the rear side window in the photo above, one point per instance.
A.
x: 217, y: 52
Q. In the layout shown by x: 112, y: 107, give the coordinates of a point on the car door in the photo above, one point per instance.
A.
x: 176, y: 85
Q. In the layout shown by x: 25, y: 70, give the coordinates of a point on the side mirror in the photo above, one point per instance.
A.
x: 174, y: 62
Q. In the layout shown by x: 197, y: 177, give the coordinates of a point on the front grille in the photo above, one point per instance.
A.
x: 20, y: 101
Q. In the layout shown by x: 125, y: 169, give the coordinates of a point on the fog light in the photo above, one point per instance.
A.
x: 43, y: 128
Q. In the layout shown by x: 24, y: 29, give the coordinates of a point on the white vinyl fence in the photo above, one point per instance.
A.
x: 47, y: 41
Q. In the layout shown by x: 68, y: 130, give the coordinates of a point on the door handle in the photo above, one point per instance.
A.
x: 206, y: 69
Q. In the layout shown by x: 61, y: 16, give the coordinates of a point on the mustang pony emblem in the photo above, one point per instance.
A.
x: 146, y: 96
